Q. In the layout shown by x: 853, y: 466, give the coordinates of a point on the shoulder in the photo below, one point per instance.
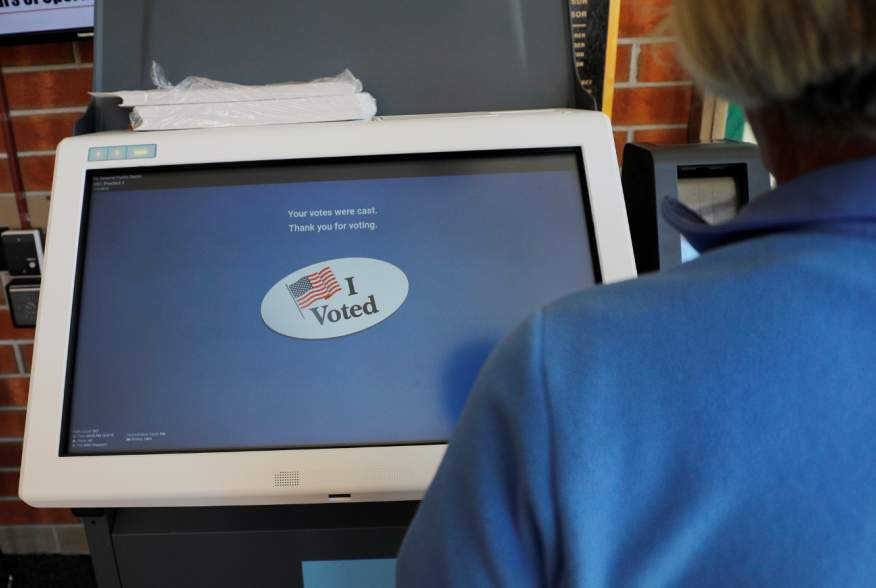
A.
x: 670, y: 325
x: 631, y: 332
x: 721, y: 279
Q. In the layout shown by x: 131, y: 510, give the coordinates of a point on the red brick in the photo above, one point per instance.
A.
x: 15, y: 512
x: 8, y: 484
x: 641, y: 18
x: 650, y: 106
x: 13, y: 391
x: 620, y: 139
x: 86, y: 50
x: 48, y: 89
x: 5, y: 180
x: 11, y: 423
x: 42, y: 132
x: 661, y: 136
x: 37, y: 54
x: 37, y: 172
x: 658, y: 62
x: 10, y: 455
x: 7, y: 331
x: 26, y: 355
x: 8, y: 365
x: 622, y: 66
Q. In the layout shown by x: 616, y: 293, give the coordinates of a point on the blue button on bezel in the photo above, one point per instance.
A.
x: 122, y: 152
x: 150, y: 148
x: 98, y: 154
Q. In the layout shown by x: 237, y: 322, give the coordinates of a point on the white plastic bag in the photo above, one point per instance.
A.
x: 360, y: 106
x: 198, y: 102
x: 197, y: 90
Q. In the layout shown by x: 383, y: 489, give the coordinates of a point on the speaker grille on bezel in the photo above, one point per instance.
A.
x: 286, y: 479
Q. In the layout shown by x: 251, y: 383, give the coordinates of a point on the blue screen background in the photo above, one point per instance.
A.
x: 171, y: 344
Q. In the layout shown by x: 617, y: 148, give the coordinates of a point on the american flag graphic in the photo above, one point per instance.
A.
x: 321, y: 285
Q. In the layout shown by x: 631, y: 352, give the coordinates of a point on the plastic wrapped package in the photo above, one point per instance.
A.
x: 360, y: 106
x: 201, y: 102
x: 197, y: 90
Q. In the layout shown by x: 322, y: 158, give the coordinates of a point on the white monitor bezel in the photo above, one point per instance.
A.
x: 382, y: 473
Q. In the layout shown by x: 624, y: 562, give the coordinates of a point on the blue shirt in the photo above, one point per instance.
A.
x: 712, y: 425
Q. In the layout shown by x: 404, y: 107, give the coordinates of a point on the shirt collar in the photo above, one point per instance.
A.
x: 836, y: 195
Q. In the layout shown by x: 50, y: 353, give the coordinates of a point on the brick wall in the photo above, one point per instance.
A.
x: 47, y: 87
x: 652, y: 92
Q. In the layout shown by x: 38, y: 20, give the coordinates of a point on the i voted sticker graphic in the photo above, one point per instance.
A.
x: 334, y: 298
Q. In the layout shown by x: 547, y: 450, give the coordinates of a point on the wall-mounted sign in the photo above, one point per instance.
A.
x: 594, y: 25
x: 41, y: 16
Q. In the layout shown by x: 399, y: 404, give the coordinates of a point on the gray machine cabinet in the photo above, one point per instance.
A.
x: 237, y: 546
x: 414, y: 56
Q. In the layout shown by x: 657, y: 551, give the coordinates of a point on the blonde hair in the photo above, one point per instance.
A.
x: 818, y: 57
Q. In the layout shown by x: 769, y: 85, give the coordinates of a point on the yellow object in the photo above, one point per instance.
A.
x: 610, y: 56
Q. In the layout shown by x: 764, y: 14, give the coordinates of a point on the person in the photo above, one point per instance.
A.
x: 715, y: 424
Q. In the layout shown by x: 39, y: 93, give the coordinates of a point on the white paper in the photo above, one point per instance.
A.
x: 360, y: 106
x: 196, y: 90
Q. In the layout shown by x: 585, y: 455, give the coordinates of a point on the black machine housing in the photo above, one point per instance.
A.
x: 652, y: 173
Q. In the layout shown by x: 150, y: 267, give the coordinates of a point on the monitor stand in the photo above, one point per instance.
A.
x: 237, y: 546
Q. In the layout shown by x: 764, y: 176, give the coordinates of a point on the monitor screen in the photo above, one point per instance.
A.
x: 31, y: 16
x: 323, y: 303
x: 715, y: 198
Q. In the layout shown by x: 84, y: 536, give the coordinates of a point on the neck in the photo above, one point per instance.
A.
x: 805, y: 156
x: 792, y: 149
